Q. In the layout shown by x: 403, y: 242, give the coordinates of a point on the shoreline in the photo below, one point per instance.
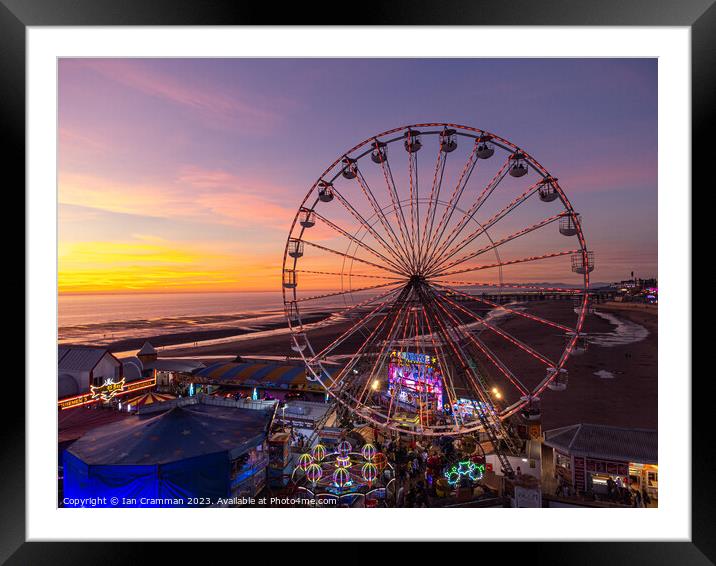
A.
x: 172, y: 340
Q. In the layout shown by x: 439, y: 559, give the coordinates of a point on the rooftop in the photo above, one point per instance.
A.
x: 258, y: 373
x: 79, y: 358
x: 146, y: 349
x: 178, y: 433
x: 605, y: 442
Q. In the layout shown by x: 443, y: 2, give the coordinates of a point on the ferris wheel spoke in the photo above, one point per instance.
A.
x: 443, y: 322
x: 414, y: 205
x: 359, y: 217
x: 469, y: 214
x: 346, y: 292
x: 445, y: 376
x: 504, y: 263
x: 439, y: 268
x: 353, y: 329
x: 352, y: 257
x: 378, y: 211
x: 291, y: 308
x: 398, y: 210
x: 360, y: 243
x: 391, y: 403
x: 491, y: 356
x: 366, y: 378
x: 442, y: 256
x: 349, y: 275
x: 433, y: 200
x: 383, y: 353
x: 446, y: 216
x: 416, y: 341
x: 500, y: 332
x: 507, y: 309
x: 340, y: 380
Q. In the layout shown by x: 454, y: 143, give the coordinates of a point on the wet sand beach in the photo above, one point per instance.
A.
x: 629, y: 398
x: 614, y: 382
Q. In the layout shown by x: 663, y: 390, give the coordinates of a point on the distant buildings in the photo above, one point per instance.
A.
x: 638, y: 290
x: 80, y: 368
x: 89, y: 375
x: 92, y: 375
x: 169, y: 372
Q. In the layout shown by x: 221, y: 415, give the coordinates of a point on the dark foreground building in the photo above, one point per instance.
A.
x: 590, y: 457
x: 191, y: 453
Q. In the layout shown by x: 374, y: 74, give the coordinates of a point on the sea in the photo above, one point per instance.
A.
x: 107, y: 318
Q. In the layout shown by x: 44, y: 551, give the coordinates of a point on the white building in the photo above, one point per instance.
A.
x: 80, y: 367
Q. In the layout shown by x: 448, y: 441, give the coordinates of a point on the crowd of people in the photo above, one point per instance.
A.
x: 617, y: 492
x: 419, y: 464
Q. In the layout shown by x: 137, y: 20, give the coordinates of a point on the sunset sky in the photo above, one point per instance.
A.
x: 185, y: 175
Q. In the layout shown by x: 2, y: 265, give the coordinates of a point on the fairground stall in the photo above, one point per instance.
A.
x: 598, y: 459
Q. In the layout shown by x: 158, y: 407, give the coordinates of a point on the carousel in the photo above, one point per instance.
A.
x: 147, y: 399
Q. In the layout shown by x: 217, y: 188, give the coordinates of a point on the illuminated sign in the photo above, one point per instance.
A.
x: 413, y: 358
x: 75, y: 401
x: 466, y: 468
x: 89, y: 398
x: 107, y: 390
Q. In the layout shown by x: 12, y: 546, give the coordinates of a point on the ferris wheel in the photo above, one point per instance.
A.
x: 439, y: 295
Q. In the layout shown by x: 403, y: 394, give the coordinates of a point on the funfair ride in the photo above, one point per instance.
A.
x: 415, y: 260
x: 343, y: 474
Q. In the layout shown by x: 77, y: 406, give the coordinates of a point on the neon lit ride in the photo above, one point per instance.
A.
x: 414, y: 380
x: 343, y: 475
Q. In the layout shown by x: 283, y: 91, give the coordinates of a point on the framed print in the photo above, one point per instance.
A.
x: 281, y: 277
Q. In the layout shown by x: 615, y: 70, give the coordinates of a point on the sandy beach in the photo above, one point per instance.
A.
x: 611, y: 383
x: 629, y: 398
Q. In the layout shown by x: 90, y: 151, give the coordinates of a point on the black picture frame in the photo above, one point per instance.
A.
x: 699, y: 15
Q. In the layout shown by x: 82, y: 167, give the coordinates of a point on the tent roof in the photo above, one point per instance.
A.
x: 176, y: 434
x: 262, y: 374
x: 149, y: 399
x: 606, y: 442
x: 72, y: 424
